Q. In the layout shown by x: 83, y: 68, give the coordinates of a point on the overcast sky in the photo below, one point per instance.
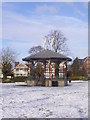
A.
x: 25, y: 24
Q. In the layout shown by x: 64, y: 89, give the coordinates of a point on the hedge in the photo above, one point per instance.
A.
x: 78, y: 78
x: 19, y: 79
x: 15, y: 79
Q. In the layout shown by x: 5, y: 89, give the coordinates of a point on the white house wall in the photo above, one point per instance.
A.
x: 21, y: 70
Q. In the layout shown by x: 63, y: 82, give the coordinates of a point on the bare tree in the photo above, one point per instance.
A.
x: 56, y: 41
x: 8, y: 59
x: 35, y: 49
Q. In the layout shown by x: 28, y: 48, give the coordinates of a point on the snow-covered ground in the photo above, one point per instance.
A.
x: 44, y: 102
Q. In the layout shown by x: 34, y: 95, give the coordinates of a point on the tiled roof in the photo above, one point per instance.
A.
x: 46, y: 54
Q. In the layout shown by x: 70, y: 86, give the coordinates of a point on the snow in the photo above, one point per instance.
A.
x: 44, y: 102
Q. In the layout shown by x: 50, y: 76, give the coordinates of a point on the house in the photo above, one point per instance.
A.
x: 1, y: 75
x: 50, y: 59
x: 21, y: 70
x: 81, y: 63
x: 86, y: 65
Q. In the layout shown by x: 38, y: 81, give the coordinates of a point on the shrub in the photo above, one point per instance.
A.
x: 6, y: 81
x: 78, y: 78
x: 19, y: 79
x: 88, y: 78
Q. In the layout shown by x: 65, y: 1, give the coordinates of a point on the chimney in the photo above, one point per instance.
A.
x: 16, y: 63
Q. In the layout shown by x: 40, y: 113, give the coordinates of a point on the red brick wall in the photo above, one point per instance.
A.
x: 86, y: 65
x: 16, y: 63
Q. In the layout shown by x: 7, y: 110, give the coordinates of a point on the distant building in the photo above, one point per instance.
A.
x: 21, y: 70
x: 1, y: 75
x: 86, y: 65
x: 81, y: 63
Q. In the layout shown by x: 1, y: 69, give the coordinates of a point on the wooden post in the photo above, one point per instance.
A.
x: 63, y: 72
x: 50, y: 83
x: 66, y: 83
x: 57, y: 63
x: 49, y: 69
x: 66, y: 70
x: 44, y: 63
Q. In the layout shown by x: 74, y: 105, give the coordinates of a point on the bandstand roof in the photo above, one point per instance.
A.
x: 46, y: 55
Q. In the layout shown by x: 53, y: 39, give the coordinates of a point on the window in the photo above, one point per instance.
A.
x: 47, y: 75
x: 61, y: 75
x: 61, y: 69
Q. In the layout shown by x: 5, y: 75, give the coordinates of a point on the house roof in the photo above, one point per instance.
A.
x: 86, y: 58
x: 81, y: 61
x: 46, y: 54
x: 20, y: 65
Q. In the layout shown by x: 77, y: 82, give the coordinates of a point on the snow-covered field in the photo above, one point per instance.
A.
x: 44, y: 102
